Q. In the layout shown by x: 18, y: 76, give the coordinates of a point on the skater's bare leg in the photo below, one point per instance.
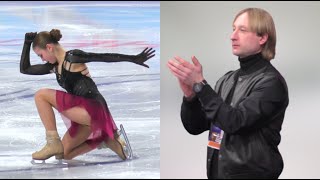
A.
x: 116, y: 145
x: 45, y: 99
x: 78, y: 115
x: 81, y: 149
x: 75, y: 146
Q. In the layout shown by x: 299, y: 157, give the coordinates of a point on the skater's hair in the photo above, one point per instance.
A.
x: 43, y: 38
x: 261, y: 22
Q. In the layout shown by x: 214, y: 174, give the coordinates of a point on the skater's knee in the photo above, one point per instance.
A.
x: 41, y: 94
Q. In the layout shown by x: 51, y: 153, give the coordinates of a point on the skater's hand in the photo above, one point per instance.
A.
x: 144, y: 56
x: 29, y: 37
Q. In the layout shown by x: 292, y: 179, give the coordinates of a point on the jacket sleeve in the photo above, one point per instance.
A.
x: 193, y: 118
x: 25, y: 66
x: 79, y: 56
x: 265, y: 101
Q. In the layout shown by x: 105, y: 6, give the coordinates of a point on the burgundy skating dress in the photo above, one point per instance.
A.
x: 81, y: 90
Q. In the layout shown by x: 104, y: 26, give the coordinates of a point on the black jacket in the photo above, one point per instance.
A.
x: 251, y: 121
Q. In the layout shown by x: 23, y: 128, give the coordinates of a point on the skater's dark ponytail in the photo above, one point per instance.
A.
x: 43, y: 38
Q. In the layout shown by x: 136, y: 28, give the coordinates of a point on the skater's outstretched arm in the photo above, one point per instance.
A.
x: 25, y: 66
x: 79, y: 56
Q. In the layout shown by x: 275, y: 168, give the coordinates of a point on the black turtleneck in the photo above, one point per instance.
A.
x: 251, y: 64
x: 248, y: 65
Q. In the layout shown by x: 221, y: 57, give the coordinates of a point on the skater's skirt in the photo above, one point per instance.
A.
x: 102, y: 124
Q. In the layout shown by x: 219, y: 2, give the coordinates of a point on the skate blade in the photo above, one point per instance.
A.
x: 44, y: 162
x: 127, y: 148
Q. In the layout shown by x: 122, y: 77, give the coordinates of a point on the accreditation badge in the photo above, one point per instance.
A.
x: 215, y: 137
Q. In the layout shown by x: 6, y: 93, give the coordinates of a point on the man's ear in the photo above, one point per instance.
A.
x: 263, y: 39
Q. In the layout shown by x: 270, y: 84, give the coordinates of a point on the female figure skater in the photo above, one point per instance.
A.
x: 90, y: 121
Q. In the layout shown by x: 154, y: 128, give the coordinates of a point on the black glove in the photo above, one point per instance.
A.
x: 29, y: 37
x: 143, y: 57
x: 25, y: 66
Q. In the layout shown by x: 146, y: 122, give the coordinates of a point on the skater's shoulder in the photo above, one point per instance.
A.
x: 75, y: 55
x: 76, y: 52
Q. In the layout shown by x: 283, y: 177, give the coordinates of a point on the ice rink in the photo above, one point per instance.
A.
x: 131, y: 91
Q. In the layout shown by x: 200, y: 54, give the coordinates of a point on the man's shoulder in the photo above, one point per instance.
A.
x: 228, y: 75
x: 273, y: 78
x: 273, y: 73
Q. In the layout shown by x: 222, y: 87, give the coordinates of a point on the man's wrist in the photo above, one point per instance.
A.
x: 197, y: 87
x: 199, y: 80
x: 189, y: 97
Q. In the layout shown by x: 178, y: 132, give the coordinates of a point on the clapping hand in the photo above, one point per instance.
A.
x: 187, y: 73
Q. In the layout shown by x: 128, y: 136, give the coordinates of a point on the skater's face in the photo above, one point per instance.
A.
x: 47, y: 54
x: 244, y: 41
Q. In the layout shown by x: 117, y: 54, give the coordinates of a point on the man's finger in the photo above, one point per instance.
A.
x: 178, y: 66
x: 179, y: 76
x: 195, y: 61
x: 176, y: 70
x: 183, y: 62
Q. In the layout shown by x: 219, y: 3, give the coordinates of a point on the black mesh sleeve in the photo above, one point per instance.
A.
x: 79, y: 56
x: 25, y: 66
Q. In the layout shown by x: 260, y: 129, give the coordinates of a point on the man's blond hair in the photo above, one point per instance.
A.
x: 261, y: 22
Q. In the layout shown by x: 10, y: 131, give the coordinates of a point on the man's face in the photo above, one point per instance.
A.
x: 245, y: 42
